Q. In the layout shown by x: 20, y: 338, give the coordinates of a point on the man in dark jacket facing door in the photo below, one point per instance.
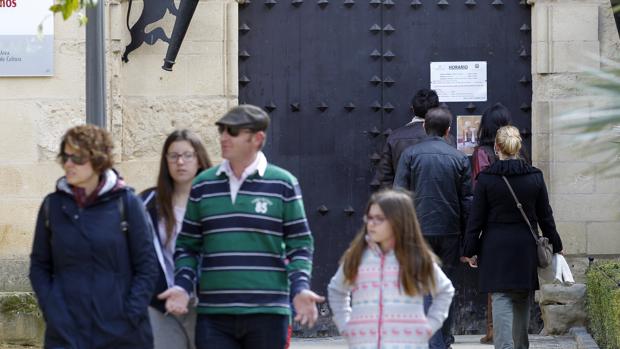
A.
x: 403, y: 137
x: 439, y: 176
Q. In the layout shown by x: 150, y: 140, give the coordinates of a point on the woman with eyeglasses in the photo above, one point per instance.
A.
x: 92, y: 265
x: 182, y: 158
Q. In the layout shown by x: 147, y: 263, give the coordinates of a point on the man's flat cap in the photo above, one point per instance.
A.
x: 247, y: 116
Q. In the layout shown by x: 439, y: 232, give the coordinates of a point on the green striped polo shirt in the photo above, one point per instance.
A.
x: 248, y: 256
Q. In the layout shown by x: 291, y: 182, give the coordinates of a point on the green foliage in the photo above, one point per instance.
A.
x: 20, y: 303
x: 68, y: 7
x: 603, y: 302
x: 597, y: 125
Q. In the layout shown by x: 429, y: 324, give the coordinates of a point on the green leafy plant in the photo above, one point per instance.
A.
x: 20, y: 304
x: 69, y: 7
x: 597, y: 126
x: 603, y: 303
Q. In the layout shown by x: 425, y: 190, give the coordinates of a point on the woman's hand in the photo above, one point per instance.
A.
x: 176, y: 300
x: 473, y: 261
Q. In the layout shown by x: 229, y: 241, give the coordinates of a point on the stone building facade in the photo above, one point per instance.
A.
x: 145, y: 103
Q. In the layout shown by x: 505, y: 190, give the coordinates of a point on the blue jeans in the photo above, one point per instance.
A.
x: 437, y: 340
x: 446, y: 247
x: 251, y: 331
x: 511, y: 316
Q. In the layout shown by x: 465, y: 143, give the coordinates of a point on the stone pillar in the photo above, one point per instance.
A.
x: 562, y: 307
x: 150, y: 102
x: 570, y: 38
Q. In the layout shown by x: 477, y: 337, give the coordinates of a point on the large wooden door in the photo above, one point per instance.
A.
x: 337, y: 76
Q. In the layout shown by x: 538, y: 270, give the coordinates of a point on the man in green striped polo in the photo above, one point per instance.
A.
x: 246, y: 235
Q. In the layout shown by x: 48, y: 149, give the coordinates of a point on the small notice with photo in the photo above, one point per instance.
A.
x: 467, y: 132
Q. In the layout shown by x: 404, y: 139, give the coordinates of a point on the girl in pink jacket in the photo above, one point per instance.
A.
x: 376, y: 294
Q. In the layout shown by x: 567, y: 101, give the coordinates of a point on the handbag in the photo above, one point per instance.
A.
x: 544, y: 250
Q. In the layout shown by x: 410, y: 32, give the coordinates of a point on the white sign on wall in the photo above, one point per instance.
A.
x: 23, y: 50
x: 459, y: 81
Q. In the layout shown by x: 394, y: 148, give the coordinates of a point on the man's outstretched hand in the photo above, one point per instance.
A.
x: 305, y: 307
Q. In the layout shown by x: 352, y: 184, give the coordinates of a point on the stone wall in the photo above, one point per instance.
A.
x: 35, y: 112
x: 145, y: 103
x: 570, y: 37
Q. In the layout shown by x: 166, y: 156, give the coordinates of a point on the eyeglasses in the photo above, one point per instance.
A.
x: 375, y: 220
x: 186, y: 156
x: 76, y: 159
x: 233, y: 131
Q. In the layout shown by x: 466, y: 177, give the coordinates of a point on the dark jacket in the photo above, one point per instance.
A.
x: 396, y: 143
x: 506, y: 249
x: 440, y: 178
x: 399, y: 140
x: 149, y: 198
x: 92, y: 280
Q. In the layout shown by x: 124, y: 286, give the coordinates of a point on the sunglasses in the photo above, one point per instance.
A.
x: 76, y: 159
x: 233, y: 131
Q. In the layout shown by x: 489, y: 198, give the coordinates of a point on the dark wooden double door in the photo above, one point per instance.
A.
x: 337, y: 76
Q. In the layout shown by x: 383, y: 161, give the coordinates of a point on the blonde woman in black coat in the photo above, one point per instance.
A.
x: 499, y: 241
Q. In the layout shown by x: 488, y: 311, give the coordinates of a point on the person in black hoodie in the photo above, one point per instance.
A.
x: 499, y: 241
x: 92, y: 265
x: 183, y: 156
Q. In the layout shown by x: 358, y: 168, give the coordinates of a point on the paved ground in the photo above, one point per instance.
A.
x: 462, y: 342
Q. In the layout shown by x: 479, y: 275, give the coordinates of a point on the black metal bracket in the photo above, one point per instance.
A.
x: 153, y: 11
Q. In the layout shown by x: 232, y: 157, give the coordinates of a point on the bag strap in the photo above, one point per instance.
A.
x: 46, y: 212
x: 520, y: 207
x: 121, y: 209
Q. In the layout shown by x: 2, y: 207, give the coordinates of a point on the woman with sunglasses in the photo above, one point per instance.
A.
x: 183, y: 156
x: 92, y: 265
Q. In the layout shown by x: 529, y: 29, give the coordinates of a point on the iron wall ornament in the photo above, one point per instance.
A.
x: 153, y: 11
x: 615, y: 5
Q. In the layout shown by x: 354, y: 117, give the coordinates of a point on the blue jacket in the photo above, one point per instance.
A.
x: 439, y: 176
x: 92, y: 280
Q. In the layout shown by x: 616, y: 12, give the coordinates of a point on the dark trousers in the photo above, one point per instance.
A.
x: 447, y: 248
x: 252, y: 331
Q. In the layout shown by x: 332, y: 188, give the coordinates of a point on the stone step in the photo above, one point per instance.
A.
x: 21, y: 322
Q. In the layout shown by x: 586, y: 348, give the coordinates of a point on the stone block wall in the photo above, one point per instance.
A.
x: 570, y: 38
x: 145, y: 103
x: 34, y: 114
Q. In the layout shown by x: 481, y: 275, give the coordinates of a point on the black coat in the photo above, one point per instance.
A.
x: 440, y: 178
x: 506, y: 249
x: 92, y: 280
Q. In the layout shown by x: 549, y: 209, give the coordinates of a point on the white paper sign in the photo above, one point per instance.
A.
x: 23, y: 50
x: 459, y: 81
